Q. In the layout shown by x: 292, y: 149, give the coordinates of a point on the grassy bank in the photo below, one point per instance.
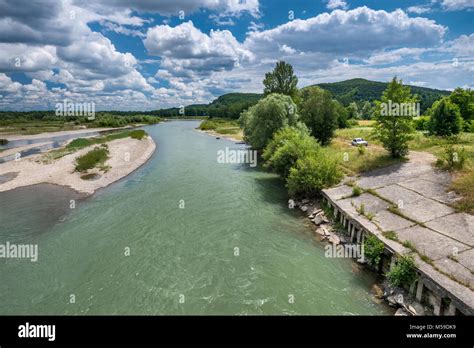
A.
x: 224, y: 127
x: 80, y: 143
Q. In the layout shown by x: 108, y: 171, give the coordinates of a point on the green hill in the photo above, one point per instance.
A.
x: 356, y: 90
x: 361, y: 90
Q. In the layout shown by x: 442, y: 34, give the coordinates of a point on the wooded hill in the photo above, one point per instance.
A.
x: 355, y: 90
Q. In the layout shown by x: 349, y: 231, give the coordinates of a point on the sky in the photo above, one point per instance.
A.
x: 152, y: 54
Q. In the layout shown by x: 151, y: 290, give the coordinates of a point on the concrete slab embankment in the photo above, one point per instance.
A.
x: 410, y: 200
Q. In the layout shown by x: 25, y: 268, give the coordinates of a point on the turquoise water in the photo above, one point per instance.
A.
x: 235, y: 248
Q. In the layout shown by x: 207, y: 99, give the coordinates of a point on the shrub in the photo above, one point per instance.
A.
x: 208, y: 125
x: 352, y: 123
x: 92, y: 159
x: 373, y: 249
x: 138, y: 134
x: 445, y: 118
x: 3, y: 141
x: 356, y: 191
x: 313, y: 173
x: 453, y: 157
x: 287, y: 146
x: 422, y: 123
x: 79, y: 143
x: 361, y: 149
x: 266, y: 117
x: 403, y: 272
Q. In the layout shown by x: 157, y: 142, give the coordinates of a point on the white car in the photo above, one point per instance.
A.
x: 359, y: 141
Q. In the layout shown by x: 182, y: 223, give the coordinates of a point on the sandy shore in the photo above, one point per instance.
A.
x: 215, y: 134
x: 15, y: 150
x: 126, y: 155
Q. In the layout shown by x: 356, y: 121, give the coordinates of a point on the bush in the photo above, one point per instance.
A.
x: 453, y: 157
x: 361, y: 149
x: 92, y: 159
x: 352, y: 123
x: 373, y: 249
x: 79, y: 143
x: 312, y: 173
x: 287, y: 146
x: 356, y: 191
x: 445, y: 118
x: 208, y: 125
x: 3, y: 141
x: 404, y: 271
x: 266, y: 117
x: 422, y: 123
x: 138, y: 134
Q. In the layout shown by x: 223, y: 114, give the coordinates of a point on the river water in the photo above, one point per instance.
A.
x: 133, y: 248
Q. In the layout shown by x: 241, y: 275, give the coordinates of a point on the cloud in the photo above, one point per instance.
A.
x: 457, y: 5
x: 346, y: 32
x: 419, y: 9
x: 173, y: 7
x: 188, y: 51
x: 333, y: 4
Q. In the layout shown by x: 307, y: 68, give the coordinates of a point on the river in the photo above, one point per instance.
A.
x: 181, y: 235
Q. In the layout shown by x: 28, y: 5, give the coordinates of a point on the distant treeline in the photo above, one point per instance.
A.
x: 100, y: 119
x: 359, y: 92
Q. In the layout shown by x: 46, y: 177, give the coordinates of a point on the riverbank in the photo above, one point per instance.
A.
x: 125, y: 156
x: 219, y: 135
x: 15, y: 136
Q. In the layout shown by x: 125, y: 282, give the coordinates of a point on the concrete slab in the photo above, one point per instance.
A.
x: 339, y: 192
x: 456, y: 270
x: 459, y: 226
x: 466, y: 258
x: 430, y: 243
x: 393, y: 174
x: 372, y: 204
x: 425, y: 209
x: 438, y: 177
x: 388, y: 221
x: 395, y: 193
x: 430, y: 189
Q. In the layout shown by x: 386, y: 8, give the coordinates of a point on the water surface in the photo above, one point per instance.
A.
x: 235, y: 248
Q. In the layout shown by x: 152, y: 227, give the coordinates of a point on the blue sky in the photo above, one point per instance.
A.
x: 149, y: 54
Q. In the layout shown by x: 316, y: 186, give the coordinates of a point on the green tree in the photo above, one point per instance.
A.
x: 395, y: 129
x: 281, y: 80
x: 445, y: 118
x: 287, y: 146
x: 464, y: 99
x: 270, y: 114
x: 353, y: 111
x: 342, y: 115
x: 366, y: 111
x: 319, y: 113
